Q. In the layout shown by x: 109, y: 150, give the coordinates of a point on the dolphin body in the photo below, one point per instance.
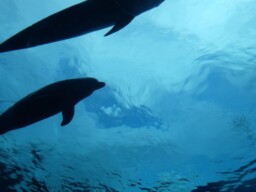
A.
x: 58, y: 97
x: 78, y: 20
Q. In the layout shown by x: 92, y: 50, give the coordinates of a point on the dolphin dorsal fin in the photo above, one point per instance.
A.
x: 122, y: 21
x: 67, y: 114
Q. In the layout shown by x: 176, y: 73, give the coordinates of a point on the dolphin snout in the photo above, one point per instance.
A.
x: 101, y: 84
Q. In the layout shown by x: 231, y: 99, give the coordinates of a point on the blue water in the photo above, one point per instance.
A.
x: 178, y: 113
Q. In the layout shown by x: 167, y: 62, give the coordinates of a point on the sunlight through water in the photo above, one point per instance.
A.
x: 177, y: 114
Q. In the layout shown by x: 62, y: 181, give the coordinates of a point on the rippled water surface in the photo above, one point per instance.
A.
x: 178, y: 113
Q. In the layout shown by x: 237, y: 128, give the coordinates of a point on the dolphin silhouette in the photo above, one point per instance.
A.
x: 58, y: 97
x: 78, y: 20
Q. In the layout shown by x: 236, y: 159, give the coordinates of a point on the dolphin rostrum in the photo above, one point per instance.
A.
x: 78, y: 20
x: 58, y: 97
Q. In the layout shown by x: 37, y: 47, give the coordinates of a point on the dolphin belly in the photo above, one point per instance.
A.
x: 28, y: 111
x: 74, y: 21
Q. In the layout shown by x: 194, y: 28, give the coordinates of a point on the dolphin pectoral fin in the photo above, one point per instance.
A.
x: 68, y: 115
x: 122, y: 21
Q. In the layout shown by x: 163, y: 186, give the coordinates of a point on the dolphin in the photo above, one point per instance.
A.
x: 58, y: 97
x: 79, y: 19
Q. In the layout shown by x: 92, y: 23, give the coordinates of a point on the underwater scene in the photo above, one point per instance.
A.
x: 128, y: 96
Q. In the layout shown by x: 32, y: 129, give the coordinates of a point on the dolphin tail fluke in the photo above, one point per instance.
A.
x: 3, y: 48
x: 3, y: 129
x: 59, y: 26
x: 18, y: 41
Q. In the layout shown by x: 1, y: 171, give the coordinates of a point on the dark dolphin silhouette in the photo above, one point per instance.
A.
x: 58, y: 97
x: 78, y: 20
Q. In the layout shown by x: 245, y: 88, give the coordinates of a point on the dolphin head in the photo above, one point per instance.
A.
x: 83, y: 87
x: 99, y: 85
x: 136, y: 7
x: 92, y: 84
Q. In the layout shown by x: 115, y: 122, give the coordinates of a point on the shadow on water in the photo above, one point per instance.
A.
x: 236, y: 183
x: 23, y: 178
x: 13, y: 175
x: 33, y: 176
x: 6, y: 181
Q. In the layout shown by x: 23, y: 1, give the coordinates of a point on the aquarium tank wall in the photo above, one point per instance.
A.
x: 177, y: 114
